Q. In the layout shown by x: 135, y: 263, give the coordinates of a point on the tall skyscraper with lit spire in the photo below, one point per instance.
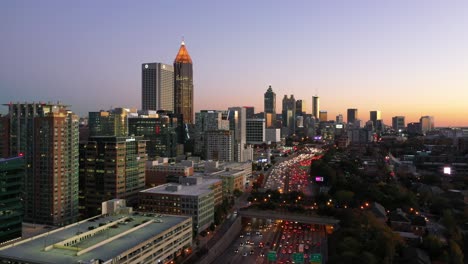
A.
x: 270, y: 107
x: 183, y: 85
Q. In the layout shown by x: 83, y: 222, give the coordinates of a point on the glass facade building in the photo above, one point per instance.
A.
x: 11, y: 193
x: 183, y: 85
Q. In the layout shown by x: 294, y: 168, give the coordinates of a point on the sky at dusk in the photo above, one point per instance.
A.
x: 401, y: 57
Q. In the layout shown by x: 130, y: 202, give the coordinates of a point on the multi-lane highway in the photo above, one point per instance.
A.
x: 261, y: 237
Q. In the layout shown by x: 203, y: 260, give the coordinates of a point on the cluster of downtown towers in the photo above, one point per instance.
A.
x: 50, y: 163
x: 55, y: 170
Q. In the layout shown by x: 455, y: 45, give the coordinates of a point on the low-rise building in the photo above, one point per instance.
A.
x: 113, y: 238
x: 194, y: 196
x: 157, y: 174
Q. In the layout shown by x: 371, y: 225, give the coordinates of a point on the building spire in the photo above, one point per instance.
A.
x: 183, y: 55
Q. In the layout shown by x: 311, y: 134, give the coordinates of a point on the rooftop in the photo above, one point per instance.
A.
x: 106, y: 238
x: 183, y: 55
x: 189, y: 190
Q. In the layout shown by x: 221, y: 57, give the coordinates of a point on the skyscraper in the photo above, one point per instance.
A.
x: 183, y: 85
x: 301, y: 108
x: 288, y: 113
x: 374, y: 116
x: 339, y: 119
x: 323, y: 116
x: 237, y: 117
x: 157, y: 86
x: 352, y: 115
x: 47, y: 136
x: 315, y: 106
x: 270, y: 106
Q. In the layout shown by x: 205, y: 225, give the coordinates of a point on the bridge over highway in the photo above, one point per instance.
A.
x: 288, y: 216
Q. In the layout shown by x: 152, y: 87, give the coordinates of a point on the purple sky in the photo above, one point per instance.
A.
x: 401, y: 57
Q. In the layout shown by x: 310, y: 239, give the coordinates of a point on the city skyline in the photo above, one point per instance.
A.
x: 404, y: 59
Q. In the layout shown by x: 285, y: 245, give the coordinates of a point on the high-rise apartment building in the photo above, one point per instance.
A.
x: 270, y: 107
x: 111, y: 167
x: 398, y: 123
x: 11, y: 193
x: 352, y: 115
x: 183, y: 85
x: 315, y: 106
x: 46, y: 134
x: 157, y: 86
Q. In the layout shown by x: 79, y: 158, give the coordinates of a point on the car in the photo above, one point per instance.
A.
x: 251, y: 252
x: 262, y: 254
x: 247, y: 234
x: 241, y: 236
x: 241, y: 244
x: 236, y: 251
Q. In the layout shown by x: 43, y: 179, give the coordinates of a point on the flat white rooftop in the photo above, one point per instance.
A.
x: 119, y: 233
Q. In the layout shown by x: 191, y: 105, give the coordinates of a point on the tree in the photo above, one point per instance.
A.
x: 433, y: 246
x: 344, y: 197
x: 456, y: 254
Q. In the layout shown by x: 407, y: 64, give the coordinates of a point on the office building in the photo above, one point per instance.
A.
x: 109, y: 123
x: 273, y: 135
x: 323, y: 116
x: 255, y: 131
x: 4, y: 136
x: 159, y: 131
x: 315, y: 106
x: 301, y: 108
x: 46, y: 134
x: 374, y: 116
x: 194, y: 197
x: 208, y: 120
x: 219, y: 145
x: 231, y: 180
x: 288, y: 113
x: 157, y: 173
x: 11, y: 205
x: 427, y: 124
x: 157, y: 86
x: 352, y: 115
x: 237, y: 117
x: 121, y: 237
x: 270, y: 106
x: 398, y: 123
x: 339, y: 119
x: 183, y: 85
x: 249, y: 111
x: 111, y: 167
